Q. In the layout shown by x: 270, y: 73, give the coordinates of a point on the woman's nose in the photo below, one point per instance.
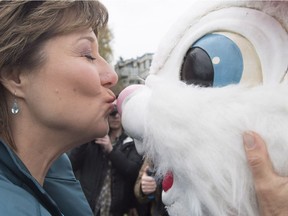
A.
x: 108, y: 77
x: 113, y: 78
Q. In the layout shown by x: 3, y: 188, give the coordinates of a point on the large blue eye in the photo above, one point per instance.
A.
x: 213, y: 60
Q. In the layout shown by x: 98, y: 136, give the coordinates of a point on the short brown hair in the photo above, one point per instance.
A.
x: 26, y: 25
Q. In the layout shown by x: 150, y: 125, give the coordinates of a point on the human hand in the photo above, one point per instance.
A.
x: 105, y: 142
x: 271, y: 189
x: 148, y: 183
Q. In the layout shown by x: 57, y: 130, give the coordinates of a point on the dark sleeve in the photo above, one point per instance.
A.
x: 127, y: 161
x: 77, y: 156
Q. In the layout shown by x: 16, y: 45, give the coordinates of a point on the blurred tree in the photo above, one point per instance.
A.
x: 105, y: 37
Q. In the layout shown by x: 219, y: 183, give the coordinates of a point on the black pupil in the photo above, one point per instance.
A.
x: 197, y: 68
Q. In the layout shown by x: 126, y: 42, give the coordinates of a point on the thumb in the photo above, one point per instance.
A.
x: 258, y: 157
x: 145, y: 170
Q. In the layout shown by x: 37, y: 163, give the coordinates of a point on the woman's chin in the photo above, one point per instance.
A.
x: 102, y: 132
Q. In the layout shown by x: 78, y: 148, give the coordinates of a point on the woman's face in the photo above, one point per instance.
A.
x: 70, y: 92
x: 115, y: 120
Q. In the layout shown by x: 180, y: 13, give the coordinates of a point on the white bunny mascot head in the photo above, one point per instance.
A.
x: 220, y: 71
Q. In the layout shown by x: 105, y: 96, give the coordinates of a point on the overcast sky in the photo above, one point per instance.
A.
x: 139, y: 25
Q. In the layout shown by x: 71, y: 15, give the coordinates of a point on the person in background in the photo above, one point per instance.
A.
x: 54, y: 96
x: 107, y: 169
x: 148, y: 190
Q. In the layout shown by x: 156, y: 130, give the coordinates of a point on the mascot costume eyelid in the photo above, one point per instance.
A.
x: 221, y: 71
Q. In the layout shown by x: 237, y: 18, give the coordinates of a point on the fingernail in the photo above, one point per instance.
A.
x: 249, y: 140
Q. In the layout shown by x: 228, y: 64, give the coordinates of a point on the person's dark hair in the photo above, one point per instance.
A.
x: 24, y: 28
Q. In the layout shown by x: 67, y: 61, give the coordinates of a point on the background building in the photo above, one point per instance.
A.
x: 132, y: 71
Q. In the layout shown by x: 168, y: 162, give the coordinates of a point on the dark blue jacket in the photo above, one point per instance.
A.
x: 21, y: 194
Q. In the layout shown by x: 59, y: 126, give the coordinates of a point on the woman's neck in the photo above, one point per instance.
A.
x: 38, y: 166
x: 38, y: 154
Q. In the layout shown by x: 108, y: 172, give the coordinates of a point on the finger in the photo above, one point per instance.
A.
x: 148, y: 179
x: 97, y: 140
x: 148, y: 188
x: 257, y: 156
x: 145, y: 171
x: 146, y: 168
x: 106, y: 138
x: 151, y: 183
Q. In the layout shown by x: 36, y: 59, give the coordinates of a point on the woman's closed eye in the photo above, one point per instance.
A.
x: 89, y: 57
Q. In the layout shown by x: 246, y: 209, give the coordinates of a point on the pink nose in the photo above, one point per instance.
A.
x: 124, y: 94
x: 167, y: 181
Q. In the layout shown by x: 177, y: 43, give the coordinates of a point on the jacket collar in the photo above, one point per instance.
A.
x: 23, y: 176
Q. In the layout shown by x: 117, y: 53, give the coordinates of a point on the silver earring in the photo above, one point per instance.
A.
x: 15, y: 108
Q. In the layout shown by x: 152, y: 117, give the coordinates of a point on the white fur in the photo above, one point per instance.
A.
x: 198, y: 137
x: 203, y: 146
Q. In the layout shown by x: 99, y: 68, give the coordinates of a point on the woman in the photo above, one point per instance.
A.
x: 54, y: 95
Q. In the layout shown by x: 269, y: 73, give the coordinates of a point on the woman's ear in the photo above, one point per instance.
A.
x: 10, y: 79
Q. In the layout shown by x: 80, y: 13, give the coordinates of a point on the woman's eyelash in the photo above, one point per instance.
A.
x: 90, y: 57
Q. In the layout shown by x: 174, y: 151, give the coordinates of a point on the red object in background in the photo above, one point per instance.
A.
x: 167, y: 181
